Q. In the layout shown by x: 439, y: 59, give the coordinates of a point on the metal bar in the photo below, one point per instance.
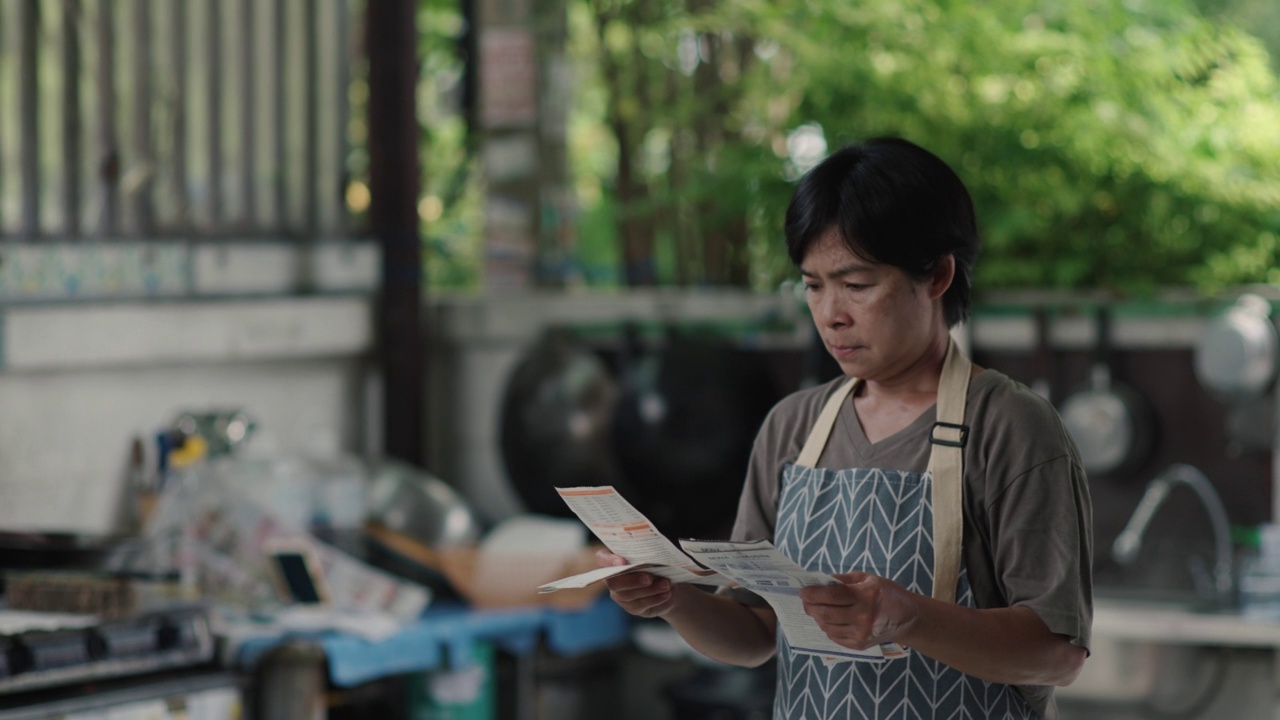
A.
x: 178, y: 61
x: 279, y: 170
x: 3, y: 48
x: 71, y: 125
x: 215, y: 113
x: 391, y: 43
x: 311, y: 110
x: 248, y: 152
x: 109, y: 163
x: 140, y: 195
x: 29, y: 113
x: 342, y: 112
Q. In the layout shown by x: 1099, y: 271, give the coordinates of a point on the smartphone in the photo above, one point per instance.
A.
x: 297, y: 572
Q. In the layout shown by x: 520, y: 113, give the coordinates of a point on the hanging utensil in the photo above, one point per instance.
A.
x: 1111, y: 424
x: 1237, y: 355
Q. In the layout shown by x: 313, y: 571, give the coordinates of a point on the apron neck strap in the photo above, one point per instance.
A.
x: 946, y: 462
x: 946, y: 466
x: 821, y: 431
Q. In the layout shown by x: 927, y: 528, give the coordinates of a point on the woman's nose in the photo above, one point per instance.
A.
x: 829, y: 312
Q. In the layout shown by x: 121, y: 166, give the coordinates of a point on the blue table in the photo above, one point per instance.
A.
x: 444, y: 637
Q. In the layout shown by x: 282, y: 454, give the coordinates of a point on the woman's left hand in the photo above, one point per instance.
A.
x: 862, y: 611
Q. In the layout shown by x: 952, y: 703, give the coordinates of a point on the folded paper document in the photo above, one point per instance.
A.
x: 756, y: 566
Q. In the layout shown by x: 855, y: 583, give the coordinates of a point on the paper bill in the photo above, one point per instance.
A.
x: 760, y: 567
x: 756, y: 566
x: 627, y: 533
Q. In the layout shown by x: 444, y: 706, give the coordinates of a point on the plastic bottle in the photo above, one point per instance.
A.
x: 1260, y: 576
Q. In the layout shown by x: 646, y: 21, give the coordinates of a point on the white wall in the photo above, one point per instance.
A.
x: 79, y: 382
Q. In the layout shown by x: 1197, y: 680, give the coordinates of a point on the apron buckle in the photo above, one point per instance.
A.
x: 964, y: 434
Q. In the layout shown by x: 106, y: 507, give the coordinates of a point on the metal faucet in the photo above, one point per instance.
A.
x: 1129, y: 541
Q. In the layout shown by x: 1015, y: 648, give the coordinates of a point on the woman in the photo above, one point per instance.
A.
x: 884, y: 235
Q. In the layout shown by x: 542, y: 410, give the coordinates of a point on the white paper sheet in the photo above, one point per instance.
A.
x: 629, y: 534
x: 756, y: 566
x: 759, y: 567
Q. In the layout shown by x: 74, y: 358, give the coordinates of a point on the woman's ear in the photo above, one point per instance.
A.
x: 943, y: 274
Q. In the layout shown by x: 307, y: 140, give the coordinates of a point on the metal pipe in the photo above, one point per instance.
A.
x: 310, y: 120
x: 178, y: 60
x: 214, y: 111
x: 343, y: 115
x: 29, y: 113
x: 279, y: 170
x: 248, y: 152
x: 71, y: 128
x: 109, y: 164
x: 3, y: 48
x: 144, y: 161
x: 1125, y: 548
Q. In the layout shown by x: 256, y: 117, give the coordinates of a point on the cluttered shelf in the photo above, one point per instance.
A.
x: 223, y: 550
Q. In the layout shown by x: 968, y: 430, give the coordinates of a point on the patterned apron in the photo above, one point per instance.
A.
x: 882, y: 521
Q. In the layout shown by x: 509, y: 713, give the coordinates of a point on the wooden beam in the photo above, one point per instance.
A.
x: 393, y: 218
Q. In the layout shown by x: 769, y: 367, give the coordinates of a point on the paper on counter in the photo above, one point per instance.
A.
x: 15, y: 622
x: 627, y: 533
x: 760, y: 567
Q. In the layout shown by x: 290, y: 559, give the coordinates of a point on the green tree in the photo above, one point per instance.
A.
x: 1122, y: 146
x: 679, y: 190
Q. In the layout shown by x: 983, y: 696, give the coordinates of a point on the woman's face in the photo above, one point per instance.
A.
x: 875, y: 320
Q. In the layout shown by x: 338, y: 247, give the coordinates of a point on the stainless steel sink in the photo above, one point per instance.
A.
x: 1163, y: 651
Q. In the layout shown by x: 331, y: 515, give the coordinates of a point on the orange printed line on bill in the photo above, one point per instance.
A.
x: 589, y: 491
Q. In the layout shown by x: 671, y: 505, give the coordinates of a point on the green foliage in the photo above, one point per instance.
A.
x: 1114, y: 145
x: 451, y: 209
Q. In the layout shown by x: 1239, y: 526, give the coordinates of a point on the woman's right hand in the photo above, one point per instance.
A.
x: 639, y: 593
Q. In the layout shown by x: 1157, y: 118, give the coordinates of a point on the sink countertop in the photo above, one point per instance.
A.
x: 1169, y: 624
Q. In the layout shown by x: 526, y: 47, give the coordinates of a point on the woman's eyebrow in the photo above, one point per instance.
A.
x: 850, y: 269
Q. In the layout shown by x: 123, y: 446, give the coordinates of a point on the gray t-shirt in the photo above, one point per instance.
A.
x: 1027, y: 516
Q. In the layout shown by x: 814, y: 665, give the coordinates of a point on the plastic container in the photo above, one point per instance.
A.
x: 1260, y: 577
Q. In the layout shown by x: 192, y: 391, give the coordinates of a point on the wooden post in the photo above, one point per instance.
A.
x: 393, y: 219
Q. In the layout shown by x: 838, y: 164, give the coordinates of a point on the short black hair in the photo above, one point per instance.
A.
x: 894, y: 203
